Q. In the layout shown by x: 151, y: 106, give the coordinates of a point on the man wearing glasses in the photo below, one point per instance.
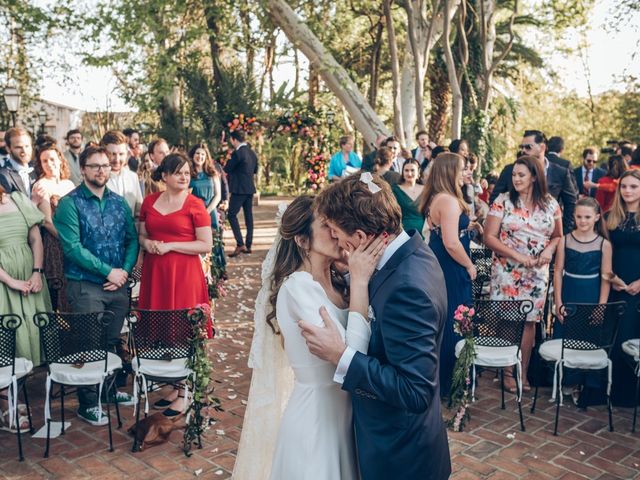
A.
x: 560, y: 183
x: 588, y: 174
x: 100, y: 246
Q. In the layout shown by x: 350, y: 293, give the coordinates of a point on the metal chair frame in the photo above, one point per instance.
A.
x: 74, y: 339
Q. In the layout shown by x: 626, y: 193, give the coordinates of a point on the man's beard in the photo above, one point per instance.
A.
x: 97, y: 183
x: 3, y: 151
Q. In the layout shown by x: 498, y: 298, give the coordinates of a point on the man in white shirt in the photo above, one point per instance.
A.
x: 122, y: 180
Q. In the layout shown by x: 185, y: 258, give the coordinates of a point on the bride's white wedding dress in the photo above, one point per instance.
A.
x: 315, y: 440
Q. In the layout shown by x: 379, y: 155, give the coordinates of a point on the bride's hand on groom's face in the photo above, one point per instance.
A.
x: 364, y: 259
x: 323, y: 342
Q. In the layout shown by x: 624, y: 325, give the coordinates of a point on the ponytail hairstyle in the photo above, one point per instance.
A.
x: 590, y: 202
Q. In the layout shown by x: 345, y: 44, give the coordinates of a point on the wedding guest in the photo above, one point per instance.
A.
x: 523, y: 229
x: 588, y: 174
x: 407, y: 192
x: 345, y: 161
x: 581, y: 275
x: 460, y: 146
x: 16, y: 174
x: 422, y: 153
x: 241, y: 169
x: 369, y: 159
x: 205, y: 181
x: 623, y: 224
x: 122, y: 180
x: 175, y: 228
x: 72, y: 155
x: 382, y: 166
x: 53, y: 183
x: 23, y: 289
x: 100, y: 245
x: 447, y: 219
x: 607, y: 185
x: 158, y: 149
x: 394, y: 144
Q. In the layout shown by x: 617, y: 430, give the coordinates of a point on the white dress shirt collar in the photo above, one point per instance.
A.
x: 243, y: 144
x: 392, y: 248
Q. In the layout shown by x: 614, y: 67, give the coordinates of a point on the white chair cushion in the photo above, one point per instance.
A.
x: 23, y: 367
x: 551, y: 351
x: 632, y: 348
x: 176, y: 368
x: 492, y: 356
x: 90, y: 373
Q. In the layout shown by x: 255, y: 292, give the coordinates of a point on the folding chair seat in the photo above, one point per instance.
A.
x: 497, y: 332
x: 589, y: 332
x: 13, y: 374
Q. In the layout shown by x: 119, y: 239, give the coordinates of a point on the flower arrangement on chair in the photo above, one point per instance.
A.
x: 201, y: 366
x: 460, y: 383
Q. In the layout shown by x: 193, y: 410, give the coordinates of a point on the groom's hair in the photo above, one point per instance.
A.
x: 350, y: 204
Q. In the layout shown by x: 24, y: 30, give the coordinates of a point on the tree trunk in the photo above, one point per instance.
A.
x: 456, y: 111
x: 374, y: 72
x: 440, y: 100
x: 398, y: 126
x: 334, y: 75
x: 415, y: 31
x: 314, y: 87
x: 213, y: 32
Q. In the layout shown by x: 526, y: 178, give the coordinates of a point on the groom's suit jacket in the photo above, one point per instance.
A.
x: 395, y: 387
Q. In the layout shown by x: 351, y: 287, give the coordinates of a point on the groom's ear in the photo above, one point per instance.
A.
x: 363, y: 237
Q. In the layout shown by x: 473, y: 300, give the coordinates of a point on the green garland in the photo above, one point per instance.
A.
x: 201, y: 366
x: 459, y: 396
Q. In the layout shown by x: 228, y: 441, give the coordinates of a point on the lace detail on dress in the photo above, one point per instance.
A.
x: 629, y: 224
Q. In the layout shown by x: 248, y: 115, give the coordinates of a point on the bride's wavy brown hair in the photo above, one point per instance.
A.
x: 296, y: 222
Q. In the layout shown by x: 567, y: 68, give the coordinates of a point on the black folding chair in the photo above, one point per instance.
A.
x: 13, y: 373
x: 589, y: 335
x: 481, y: 258
x: 497, y: 332
x: 76, y: 351
x: 162, y: 351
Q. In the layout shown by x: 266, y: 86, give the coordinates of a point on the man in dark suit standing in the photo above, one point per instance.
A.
x: 395, y: 387
x: 560, y: 182
x: 588, y: 174
x: 555, y: 147
x: 240, y: 169
x: 17, y: 174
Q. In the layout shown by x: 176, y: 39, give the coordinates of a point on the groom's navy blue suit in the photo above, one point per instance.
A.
x: 395, y: 387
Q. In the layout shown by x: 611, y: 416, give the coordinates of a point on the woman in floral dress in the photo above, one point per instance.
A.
x: 523, y: 229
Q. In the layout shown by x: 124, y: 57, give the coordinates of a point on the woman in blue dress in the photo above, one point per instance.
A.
x: 447, y: 217
x: 205, y: 181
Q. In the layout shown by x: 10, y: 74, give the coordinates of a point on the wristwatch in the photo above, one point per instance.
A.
x: 39, y: 270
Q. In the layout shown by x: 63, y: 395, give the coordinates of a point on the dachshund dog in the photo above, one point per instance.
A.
x: 154, y: 430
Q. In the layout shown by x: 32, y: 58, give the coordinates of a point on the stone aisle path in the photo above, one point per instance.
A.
x: 492, y: 448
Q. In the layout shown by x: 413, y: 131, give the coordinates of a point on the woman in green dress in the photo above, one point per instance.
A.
x: 407, y: 192
x: 22, y: 284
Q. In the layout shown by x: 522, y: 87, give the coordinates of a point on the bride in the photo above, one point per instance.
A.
x: 314, y: 434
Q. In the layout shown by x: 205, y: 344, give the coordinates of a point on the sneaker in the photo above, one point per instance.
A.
x: 92, y: 415
x: 121, y: 398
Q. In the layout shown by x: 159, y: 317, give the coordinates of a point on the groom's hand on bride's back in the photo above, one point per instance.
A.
x: 325, y: 342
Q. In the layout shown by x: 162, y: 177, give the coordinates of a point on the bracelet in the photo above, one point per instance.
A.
x: 38, y: 270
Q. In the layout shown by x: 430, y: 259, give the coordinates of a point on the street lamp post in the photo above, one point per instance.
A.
x: 42, y: 117
x: 12, y: 98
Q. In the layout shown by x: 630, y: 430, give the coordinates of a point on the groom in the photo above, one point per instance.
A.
x: 395, y: 387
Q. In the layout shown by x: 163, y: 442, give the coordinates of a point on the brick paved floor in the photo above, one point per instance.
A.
x: 492, y: 448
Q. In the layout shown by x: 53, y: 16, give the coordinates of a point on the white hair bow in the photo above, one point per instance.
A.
x: 367, y: 178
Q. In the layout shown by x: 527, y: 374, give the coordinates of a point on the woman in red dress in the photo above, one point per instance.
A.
x: 175, y: 229
x: 607, y: 185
